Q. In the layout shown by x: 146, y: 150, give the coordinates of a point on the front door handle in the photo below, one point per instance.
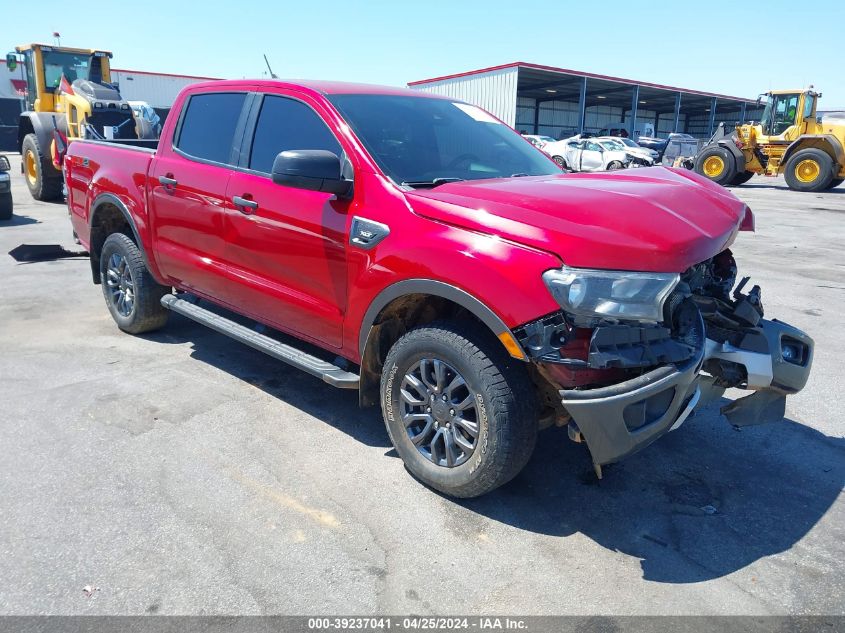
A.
x: 167, y: 181
x: 244, y: 205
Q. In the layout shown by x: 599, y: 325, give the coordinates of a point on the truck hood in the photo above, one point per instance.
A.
x: 650, y: 219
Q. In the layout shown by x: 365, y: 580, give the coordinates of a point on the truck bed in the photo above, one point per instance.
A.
x: 95, y: 168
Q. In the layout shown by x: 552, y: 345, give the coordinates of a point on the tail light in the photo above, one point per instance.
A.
x: 747, y: 223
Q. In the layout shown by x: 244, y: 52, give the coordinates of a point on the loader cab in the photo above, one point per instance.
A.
x: 788, y: 113
x: 45, y: 66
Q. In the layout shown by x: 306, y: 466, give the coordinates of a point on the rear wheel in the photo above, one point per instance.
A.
x: 132, y: 295
x: 717, y: 164
x: 614, y: 165
x: 742, y: 178
x: 809, y: 170
x: 460, y: 412
x: 42, y: 179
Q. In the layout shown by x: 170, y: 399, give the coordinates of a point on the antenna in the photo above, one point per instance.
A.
x: 272, y: 74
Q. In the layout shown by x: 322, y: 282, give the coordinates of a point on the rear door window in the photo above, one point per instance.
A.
x: 208, y: 125
x: 286, y: 124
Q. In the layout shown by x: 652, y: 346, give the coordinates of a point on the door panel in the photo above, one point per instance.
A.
x: 188, y: 227
x: 187, y: 191
x: 289, y: 254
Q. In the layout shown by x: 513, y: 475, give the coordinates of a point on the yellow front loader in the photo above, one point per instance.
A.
x: 69, y: 96
x: 788, y: 140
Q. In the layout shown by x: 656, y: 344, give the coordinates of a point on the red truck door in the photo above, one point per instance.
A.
x: 286, y: 245
x: 188, y: 191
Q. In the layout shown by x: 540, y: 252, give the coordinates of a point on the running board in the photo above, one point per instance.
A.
x: 332, y: 374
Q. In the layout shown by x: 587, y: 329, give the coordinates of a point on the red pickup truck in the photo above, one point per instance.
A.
x: 434, y: 260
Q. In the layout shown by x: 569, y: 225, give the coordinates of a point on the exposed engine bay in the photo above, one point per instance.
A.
x: 620, y: 384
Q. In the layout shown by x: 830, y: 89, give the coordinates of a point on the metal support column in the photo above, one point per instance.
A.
x: 536, y: 116
x: 582, y: 105
x: 677, y: 113
x: 742, y: 113
x: 635, y: 100
x: 712, y: 123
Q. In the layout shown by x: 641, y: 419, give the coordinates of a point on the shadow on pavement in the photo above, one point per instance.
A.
x: 702, y: 502
x: 836, y: 190
x: 19, y: 220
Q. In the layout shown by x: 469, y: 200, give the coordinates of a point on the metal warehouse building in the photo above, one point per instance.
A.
x: 558, y: 102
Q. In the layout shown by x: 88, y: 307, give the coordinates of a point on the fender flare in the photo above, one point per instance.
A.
x: 815, y: 141
x: 739, y: 157
x: 108, y: 198
x: 42, y: 126
x: 438, y: 289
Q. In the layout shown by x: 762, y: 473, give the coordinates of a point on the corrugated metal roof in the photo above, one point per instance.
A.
x: 575, y: 73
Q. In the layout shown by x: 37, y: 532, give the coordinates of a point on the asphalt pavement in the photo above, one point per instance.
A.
x: 183, y: 473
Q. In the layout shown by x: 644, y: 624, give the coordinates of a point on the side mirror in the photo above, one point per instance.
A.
x: 312, y: 169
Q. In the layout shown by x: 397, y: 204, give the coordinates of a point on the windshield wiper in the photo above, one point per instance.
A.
x: 430, y: 184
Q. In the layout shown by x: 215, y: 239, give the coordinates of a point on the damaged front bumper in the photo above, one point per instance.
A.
x: 617, y: 420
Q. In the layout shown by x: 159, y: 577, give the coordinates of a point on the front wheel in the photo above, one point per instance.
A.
x: 460, y: 412
x: 614, y: 165
x: 42, y: 179
x: 717, y: 164
x: 132, y: 295
x: 560, y: 161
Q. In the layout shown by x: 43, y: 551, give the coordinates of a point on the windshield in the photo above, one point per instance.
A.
x: 72, y: 65
x: 626, y: 141
x: 421, y: 141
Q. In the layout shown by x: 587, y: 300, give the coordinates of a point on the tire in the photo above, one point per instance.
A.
x: 42, y: 184
x: 126, y: 280
x: 6, y: 206
x: 717, y: 164
x: 835, y: 183
x: 741, y: 178
x: 497, y: 400
x: 809, y: 170
x: 614, y: 165
x: 560, y: 161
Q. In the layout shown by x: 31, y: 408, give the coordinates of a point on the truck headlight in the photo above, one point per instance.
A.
x: 611, y: 294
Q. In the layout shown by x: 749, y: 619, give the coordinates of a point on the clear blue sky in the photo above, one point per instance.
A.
x: 684, y: 43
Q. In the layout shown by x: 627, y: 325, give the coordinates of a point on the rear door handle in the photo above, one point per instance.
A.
x: 244, y: 205
x: 167, y: 181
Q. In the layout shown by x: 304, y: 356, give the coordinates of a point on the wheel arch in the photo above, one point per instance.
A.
x: 825, y: 142
x: 110, y: 215
x: 38, y: 123
x: 739, y: 157
x: 412, y: 302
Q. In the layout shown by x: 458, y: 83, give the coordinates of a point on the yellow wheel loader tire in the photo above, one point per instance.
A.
x: 809, y: 170
x: 42, y: 179
x: 717, y: 164
x: 741, y: 178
